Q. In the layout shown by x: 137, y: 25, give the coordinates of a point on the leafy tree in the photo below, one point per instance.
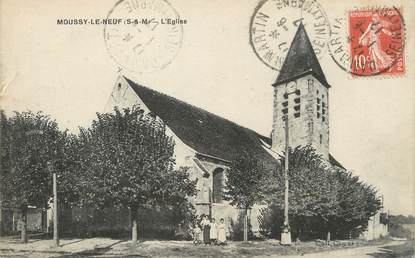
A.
x: 401, y: 219
x: 245, y: 184
x: 128, y: 162
x: 70, y: 171
x: 397, y: 227
x: 29, y: 142
x: 4, y: 152
x: 322, y: 198
x: 312, y: 192
x: 357, y: 202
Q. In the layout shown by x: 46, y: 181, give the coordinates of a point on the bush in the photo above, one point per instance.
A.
x: 270, y: 221
x: 304, y: 228
x: 161, y: 222
x: 237, y: 228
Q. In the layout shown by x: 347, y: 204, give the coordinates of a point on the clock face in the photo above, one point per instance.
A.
x: 291, y: 86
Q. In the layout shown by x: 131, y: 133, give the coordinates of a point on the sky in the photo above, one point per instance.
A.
x: 66, y: 71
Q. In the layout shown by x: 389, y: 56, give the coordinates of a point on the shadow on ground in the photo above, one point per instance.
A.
x: 93, y: 252
x: 402, y: 251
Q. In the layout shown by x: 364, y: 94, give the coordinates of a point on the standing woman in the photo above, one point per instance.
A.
x: 205, y: 223
x: 213, y: 231
x: 222, y: 232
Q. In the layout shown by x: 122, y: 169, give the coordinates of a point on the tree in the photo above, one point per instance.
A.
x: 70, y: 170
x: 313, y: 190
x: 357, y: 202
x: 128, y: 162
x: 245, y: 179
x: 29, y: 142
x: 4, y: 151
x: 323, y: 198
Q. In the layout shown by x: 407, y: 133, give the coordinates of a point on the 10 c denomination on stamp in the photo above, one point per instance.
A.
x: 373, y: 42
x: 378, y: 41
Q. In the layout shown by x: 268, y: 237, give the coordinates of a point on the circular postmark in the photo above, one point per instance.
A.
x: 275, y: 22
x: 369, y: 41
x: 148, y: 38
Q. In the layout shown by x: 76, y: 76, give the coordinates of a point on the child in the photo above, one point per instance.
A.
x: 197, y: 235
x: 213, y: 231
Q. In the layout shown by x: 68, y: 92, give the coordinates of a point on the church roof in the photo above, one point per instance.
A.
x: 206, y: 133
x: 300, y: 60
x: 334, y: 162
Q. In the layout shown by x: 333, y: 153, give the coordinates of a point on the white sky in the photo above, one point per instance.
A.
x: 66, y: 72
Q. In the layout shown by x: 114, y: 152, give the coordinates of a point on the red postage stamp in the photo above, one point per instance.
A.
x: 376, y: 42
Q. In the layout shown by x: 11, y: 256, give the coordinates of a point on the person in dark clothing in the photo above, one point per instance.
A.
x: 205, y: 223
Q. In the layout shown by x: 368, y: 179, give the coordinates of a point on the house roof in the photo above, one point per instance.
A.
x: 300, y: 60
x: 206, y: 133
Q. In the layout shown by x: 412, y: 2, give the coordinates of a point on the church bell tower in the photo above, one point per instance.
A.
x: 301, y: 92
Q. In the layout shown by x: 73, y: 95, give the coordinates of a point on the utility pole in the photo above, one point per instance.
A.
x: 287, y: 154
x: 55, y: 213
x: 55, y: 206
x: 286, y: 232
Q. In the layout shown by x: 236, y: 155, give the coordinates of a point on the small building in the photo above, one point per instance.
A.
x: 10, y: 220
x: 377, y: 227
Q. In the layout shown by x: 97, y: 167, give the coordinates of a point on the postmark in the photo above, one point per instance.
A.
x: 369, y: 41
x: 148, y: 39
x: 275, y: 22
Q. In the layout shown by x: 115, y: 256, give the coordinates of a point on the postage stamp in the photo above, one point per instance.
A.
x: 375, y: 42
x: 148, y: 38
x: 274, y: 23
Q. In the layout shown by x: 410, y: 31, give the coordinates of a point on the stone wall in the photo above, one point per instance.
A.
x: 205, y: 205
x: 308, y: 115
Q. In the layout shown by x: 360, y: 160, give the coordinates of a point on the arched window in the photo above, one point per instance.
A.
x: 218, y: 184
x: 310, y: 82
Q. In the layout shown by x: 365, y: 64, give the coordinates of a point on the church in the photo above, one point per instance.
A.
x: 207, y: 143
